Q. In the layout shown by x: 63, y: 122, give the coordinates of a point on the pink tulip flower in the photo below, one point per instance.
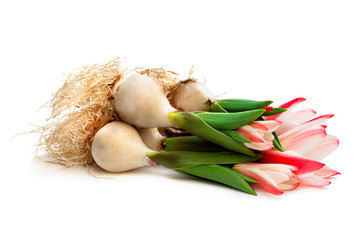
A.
x: 272, y: 178
x: 305, y: 143
x: 260, y: 134
x: 309, y: 172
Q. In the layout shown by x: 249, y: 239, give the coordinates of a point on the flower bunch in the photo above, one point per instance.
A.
x: 305, y: 143
x: 290, y: 144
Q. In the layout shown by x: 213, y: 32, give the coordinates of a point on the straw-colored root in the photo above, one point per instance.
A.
x: 79, y: 109
x: 167, y: 80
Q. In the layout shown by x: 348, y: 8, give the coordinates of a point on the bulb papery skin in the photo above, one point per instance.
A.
x: 152, y: 138
x: 117, y: 147
x: 139, y: 101
x: 191, y: 96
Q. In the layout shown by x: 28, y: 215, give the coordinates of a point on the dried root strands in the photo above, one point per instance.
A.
x: 79, y: 109
x: 165, y: 79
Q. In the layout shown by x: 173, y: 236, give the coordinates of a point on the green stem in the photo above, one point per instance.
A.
x: 276, y: 142
x: 192, y: 144
x: 220, y: 174
x: 215, y: 107
x: 236, y: 136
x: 198, y: 127
x: 179, y: 160
x: 227, y: 121
x: 238, y: 105
x: 275, y: 111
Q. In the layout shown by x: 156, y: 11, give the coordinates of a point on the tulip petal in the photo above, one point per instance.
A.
x: 305, y: 140
x: 293, y: 103
x: 289, y: 105
x: 313, y: 181
x: 268, y: 137
x: 319, y: 120
x: 258, y: 126
x: 289, y: 185
x: 326, y: 172
x: 264, y: 146
x: 264, y: 182
x: 251, y: 134
x: 303, y: 165
x: 271, y: 167
x: 323, y: 149
x: 286, y: 126
x: 268, y: 108
x: 271, y: 125
x: 278, y: 176
x: 314, y: 122
x: 301, y: 116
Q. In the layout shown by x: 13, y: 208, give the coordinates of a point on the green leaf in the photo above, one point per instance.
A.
x: 236, y: 136
x: 275, y: 111
x: 276, y: 142
x: 238, y: 105
x: 220, y: 174
x: 196, y: 126
x: 226, y: 121
x: 248, y: 179
x: 178, y: 160
x: 192, y: 144
x: 215, y: 107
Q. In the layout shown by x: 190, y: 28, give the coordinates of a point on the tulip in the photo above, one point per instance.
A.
x: 272, y: 178
x: 260, y: 134
x: 282, y: 171
x: 305, y: 143
x: 304, y: 140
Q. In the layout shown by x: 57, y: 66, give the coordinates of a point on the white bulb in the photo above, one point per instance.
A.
x: 191, y: 96
x: 117, y: 147
x: 140, y: 101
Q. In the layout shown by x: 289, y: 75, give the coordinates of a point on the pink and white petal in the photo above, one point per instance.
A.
x: 292, y: 103
x: 251, y: 134
x: 314, y: 122
x: 264, y: 182
x: 303, y: 165
x: 326, y: 172
x: 290, y: 184
x: 272, y: 167
x: 323, y: 149
x: 272, y: 125
x: 286, y: 126
x: 304, y: 133
x: 278, y: 176
x: 289, y: 105
x: 263, y: 146
x: 312, y: 180
x: 257, y: 125
x: 268, y: 137
x: 319, y: 120
x: 301, y: 116
x: 286, y: 169
x: 305, y: 140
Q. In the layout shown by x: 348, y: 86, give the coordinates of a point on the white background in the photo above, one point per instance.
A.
x: 247, y: 49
